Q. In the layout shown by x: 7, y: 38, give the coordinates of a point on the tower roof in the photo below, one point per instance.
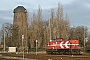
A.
x: 19, y: 9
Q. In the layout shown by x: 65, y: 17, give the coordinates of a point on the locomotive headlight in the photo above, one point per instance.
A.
x: 53, y: 47
x: 56, y: 43
x: 48, y: 44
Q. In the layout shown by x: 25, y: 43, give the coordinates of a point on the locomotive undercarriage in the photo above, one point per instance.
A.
x: 64, y: 51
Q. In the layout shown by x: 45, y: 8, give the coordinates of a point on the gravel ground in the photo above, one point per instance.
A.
x: 44, y: 56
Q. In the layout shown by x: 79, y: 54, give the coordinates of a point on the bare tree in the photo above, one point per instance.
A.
x: 80, y: 33
x: 62, y: 24
x: 55, y: 27
x: 6, y: 29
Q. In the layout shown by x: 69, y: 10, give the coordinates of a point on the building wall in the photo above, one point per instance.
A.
x: 20, y: 27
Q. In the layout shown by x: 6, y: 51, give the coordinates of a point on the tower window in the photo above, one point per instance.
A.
x: 16, y: 16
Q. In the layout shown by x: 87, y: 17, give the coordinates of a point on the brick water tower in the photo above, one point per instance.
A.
x: 20, y: 27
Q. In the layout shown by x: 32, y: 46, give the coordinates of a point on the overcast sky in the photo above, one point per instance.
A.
x: 78, y: 10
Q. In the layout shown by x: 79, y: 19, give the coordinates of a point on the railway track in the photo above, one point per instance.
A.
x: 76, y: 56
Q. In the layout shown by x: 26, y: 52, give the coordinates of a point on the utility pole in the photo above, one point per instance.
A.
x: 36, y: 46
x: 23, y: 45
x: 27, y: 49
x: 4, y: 38
x: 84, y: 38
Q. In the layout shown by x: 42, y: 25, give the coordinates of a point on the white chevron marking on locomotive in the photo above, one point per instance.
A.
x: 61, y: 44
x: 66, y: 44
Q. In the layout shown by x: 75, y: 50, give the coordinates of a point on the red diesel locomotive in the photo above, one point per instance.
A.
x: 63, y: 46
